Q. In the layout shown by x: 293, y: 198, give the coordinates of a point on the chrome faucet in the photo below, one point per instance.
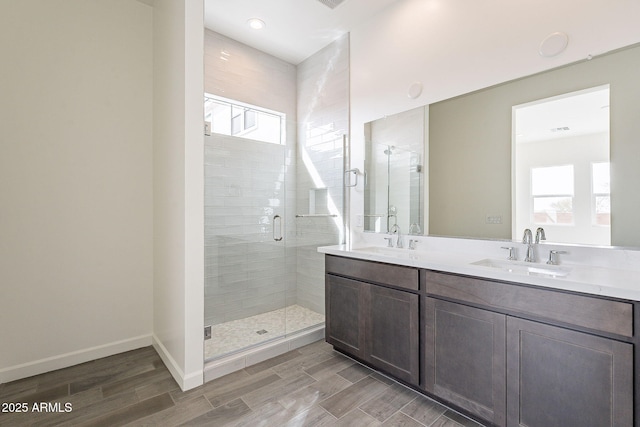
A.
x: 395, y: 228
x: 553, y: 259
x: 527, y: 239
x: 540, y: 235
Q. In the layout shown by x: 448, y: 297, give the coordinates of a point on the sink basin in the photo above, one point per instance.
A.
x: 529, y: 269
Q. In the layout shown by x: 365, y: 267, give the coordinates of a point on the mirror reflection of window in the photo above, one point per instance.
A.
x: 601, y: 197
x: 561, y: 167
x: 552, y: 192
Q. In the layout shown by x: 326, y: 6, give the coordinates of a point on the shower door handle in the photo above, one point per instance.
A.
x: 355, y: 173
x: 279, y: 219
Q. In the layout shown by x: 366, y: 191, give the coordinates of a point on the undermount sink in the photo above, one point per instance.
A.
x: 525, y: 268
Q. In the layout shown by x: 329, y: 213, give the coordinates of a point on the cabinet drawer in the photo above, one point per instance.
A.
x: 587, y: 312
x: 384, y: 274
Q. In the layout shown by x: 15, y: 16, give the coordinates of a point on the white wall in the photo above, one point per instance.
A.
x: 76, y: 209
x: 178, y: 183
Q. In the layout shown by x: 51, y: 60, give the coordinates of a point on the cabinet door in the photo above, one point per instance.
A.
x: 562, y: 378
x: 465, y: 358
x: 344, y: 304
x: 393, y: 332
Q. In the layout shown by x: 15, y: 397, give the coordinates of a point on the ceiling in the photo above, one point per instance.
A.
x: 295, y: 29
x: 581, y: 113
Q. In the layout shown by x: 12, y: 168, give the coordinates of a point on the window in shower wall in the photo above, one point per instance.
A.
x: 234, y: 118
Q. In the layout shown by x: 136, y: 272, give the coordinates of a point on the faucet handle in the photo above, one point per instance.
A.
x: 389, y: 243
x: 554, y: 260
x: 412, y: 244
x: 512, y: 252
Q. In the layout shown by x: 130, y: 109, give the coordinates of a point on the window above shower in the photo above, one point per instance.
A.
x: 235, y: 118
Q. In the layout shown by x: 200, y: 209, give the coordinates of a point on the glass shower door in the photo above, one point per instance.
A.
x: 246, y: 277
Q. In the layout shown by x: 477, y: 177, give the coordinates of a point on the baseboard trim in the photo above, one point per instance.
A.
x: 186, y: 382
x: 53, y: 363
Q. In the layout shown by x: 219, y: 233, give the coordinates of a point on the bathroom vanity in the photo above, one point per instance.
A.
x: 518, y: 352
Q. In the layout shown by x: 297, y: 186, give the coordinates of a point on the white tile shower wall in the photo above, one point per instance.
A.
x: 323, y: 114
x: 237, y: 71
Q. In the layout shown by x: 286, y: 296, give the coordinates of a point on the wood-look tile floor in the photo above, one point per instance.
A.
x: 310, y: 386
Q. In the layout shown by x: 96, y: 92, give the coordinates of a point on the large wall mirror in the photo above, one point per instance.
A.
x: 469, y: 169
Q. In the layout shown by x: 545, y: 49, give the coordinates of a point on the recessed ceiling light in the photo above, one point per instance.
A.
x: 256, y: 24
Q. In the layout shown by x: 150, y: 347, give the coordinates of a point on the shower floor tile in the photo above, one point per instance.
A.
x: 240, y: 334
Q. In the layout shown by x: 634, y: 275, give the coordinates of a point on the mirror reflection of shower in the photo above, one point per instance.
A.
x: 396, y: 174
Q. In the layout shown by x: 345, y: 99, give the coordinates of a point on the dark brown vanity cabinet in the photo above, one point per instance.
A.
x: 376, y: 320
x: 562, y: 378
x: 506, y: 353
x: 392, y: 321
x: 551, y: 357
x: 344, y: 305
x: 465, y: 358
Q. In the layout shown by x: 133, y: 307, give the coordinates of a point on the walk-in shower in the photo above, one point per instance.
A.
x: 274, y: 192
x: 268, y: 206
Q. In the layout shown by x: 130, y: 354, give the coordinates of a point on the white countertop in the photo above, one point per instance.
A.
x: 590, y: 279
